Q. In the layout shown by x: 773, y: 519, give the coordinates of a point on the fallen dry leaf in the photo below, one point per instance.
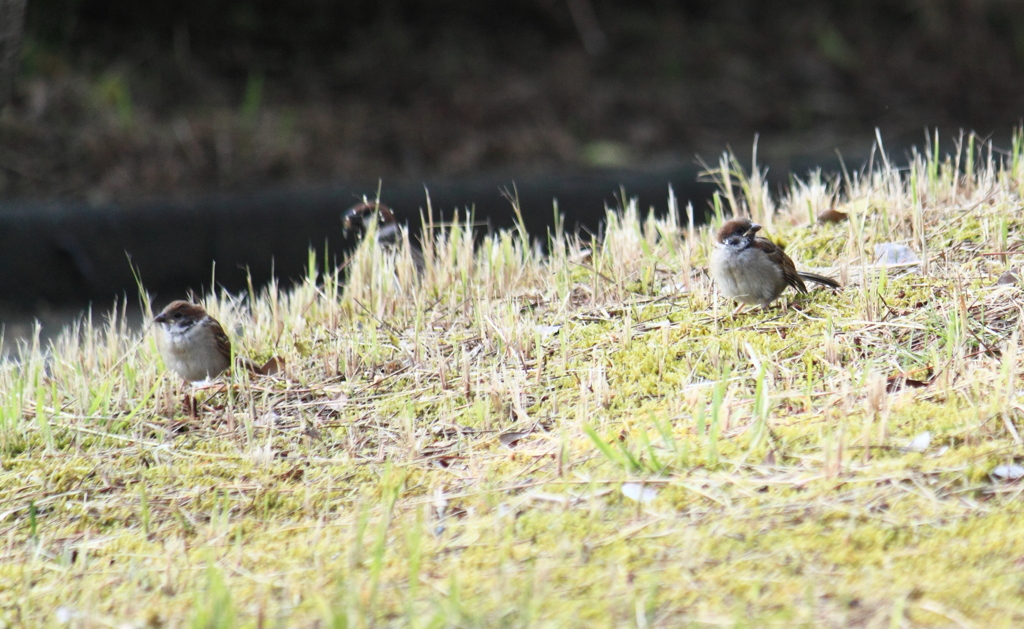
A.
x: 1010, y: 277
x: 509, y: 439
x: 831, y: 215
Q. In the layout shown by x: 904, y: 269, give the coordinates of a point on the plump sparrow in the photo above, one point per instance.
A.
x: 752, y: 269
x: 194, y: 346
x: 192, y: 343
x: 389, y: 234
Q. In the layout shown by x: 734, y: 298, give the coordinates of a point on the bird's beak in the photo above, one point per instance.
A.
x: 754, y: 228
x: 160, y: 318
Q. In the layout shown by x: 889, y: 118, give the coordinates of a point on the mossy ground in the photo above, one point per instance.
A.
x: 673, y: 465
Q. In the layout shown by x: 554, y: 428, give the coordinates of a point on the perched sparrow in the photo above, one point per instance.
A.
x: 752, y: 269
x: 191, y: 342
x: 389, y: 234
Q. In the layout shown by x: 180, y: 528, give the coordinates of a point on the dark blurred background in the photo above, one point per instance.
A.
x: 222, y: 118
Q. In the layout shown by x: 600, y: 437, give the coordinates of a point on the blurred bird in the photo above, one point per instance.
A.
x: 390, y: 236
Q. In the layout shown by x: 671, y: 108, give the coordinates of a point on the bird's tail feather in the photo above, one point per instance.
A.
x: 820, y: 279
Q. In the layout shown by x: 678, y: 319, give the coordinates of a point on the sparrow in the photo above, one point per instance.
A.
x: 194, y: 346
x: 752, y: 269
x: 191, y: 342
x: 389, y: 234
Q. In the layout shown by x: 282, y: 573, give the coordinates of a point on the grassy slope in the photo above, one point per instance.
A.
x: 370, y: 487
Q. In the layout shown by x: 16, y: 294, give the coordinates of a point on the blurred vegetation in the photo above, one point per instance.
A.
x: 964, y: 52
x: 452, y: 86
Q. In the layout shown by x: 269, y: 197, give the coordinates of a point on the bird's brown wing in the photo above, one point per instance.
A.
x: 777, y: 255
x: 223, y: 342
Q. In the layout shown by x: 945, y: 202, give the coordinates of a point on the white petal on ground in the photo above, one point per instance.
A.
x: 638, y: 492
x: 547, y: 330
x: 919, y: 443
x: 1008, y: 472
x: 894, y: 253
x: 338, y: 403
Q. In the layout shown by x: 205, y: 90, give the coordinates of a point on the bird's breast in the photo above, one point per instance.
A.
x: 746, y: 275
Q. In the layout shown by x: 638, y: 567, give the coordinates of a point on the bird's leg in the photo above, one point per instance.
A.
x: 739, y: 309
x: 213, y: 386
x: 188, y: 401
